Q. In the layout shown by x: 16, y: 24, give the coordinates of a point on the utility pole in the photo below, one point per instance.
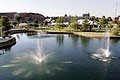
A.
x: 116, y: 8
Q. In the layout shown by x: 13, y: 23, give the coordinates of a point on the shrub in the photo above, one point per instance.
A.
x: 114, y: 32
x: 59, y: 26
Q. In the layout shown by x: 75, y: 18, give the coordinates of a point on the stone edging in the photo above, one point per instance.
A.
x: 7, y: 42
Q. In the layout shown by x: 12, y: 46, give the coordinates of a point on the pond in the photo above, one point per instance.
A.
x: 57, y: 57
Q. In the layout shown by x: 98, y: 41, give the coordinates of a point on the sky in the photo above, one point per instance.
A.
x: 62, y: 7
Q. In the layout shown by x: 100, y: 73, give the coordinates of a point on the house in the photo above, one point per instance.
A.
x: 23, y: 25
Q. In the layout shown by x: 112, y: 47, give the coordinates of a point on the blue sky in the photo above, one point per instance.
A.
x: 61, y: 7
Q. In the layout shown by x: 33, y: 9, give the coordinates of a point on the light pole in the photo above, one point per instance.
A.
x: 116, y: 8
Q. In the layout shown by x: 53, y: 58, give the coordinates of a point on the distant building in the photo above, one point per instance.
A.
x: 116, y: 18
x: 86, y: 16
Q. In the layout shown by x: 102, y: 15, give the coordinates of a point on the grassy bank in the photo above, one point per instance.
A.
x: 98, y: 34
x: 94, y: 34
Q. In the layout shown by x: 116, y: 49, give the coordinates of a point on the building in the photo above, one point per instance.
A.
x: 116, y: 18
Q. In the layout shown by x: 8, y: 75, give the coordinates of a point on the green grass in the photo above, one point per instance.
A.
x: 95, y: 34
x: 40, y: 28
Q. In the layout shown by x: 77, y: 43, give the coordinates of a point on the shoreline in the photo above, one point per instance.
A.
x: 94, y: 35
x: 83, y: 34
x: 6, y: 42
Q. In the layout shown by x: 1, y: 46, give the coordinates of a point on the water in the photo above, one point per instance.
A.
x: 104, y: 54
x: 58, y: 57
x: 39, y: 55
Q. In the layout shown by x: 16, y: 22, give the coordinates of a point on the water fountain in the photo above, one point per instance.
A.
x: 104, y: 54
x: 34, y: 63
x: 39, y: 56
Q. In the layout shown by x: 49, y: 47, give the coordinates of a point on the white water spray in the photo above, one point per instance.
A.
x: 104, y: 54
x: 39, y: 56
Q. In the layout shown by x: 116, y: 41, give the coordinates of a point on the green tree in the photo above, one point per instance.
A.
x: 4, y: 22
x: 13, y: 23
x: 28, y: 19
x: 73, y: 20
x: 93, y: 18
x: 73, y: 23
x: 59, y: 20
x: 5, y: 25
x: 103, y: 22
x: 74, y: 26
x: 85, y: 25
x: 109, y: 19
x: 22, y: 20
x: 115, y: 30
x: 59, y: 23
x: 18, y: 18
x: 35, y: 23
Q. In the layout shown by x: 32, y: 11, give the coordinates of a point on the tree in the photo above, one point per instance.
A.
x: 85, y: 25
x: 65, y: 15
x: 22, y: 20
x: 66, y: 19
x: 18, y: 18
x: 73, y: 20
x: 28, y: 19
x: 109, y: 19
x: 115, y: 30
x: 74, y: 26
x: 73, y: 23
x: 103, y: 22
x: 35, y: 23
x: 13, y: 24
x: 59, y: 23
x: 4, y: 22
x: 59, y: 20
x: 93, y: 19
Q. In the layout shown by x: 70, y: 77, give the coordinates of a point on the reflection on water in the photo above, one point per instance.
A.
x: 114, y: 41
x: 85, y: 41
x: 68, y: 61
x: 2, y: 51
x: 31, y: 33
x: 6, y: 49
x: 60, y: 39
x: 34, y: 62
x: 74, y: 38
x: 25, y: 66
x: 40, y: 36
